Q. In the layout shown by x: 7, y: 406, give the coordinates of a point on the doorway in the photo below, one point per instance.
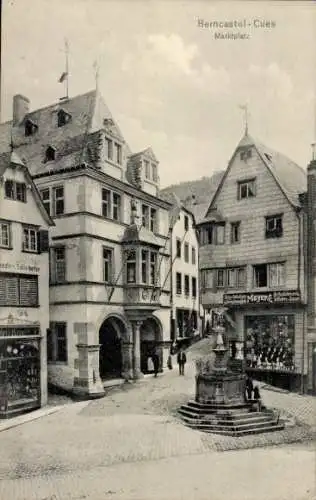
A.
x: 110, y: 340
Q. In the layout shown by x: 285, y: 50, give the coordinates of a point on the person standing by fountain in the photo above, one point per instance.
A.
x: 181, y: 359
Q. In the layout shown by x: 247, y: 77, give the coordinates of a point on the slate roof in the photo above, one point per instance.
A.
x: 291, y: 178
x: 89, y: 115
x: 195, y: 195
x: 7, y: 159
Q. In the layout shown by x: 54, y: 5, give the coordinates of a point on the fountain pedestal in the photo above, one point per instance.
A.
x: 217, y: 384
x: 219, y: 404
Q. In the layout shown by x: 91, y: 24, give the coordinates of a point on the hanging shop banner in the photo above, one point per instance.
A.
x: 275, y: 297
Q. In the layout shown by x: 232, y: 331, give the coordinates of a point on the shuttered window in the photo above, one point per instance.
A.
x: 18, y: 290
x: 28, y: 291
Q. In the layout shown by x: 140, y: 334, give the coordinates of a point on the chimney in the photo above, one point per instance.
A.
x: 21, y: 107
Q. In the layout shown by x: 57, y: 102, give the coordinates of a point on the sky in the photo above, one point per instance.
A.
x: 169, y: 83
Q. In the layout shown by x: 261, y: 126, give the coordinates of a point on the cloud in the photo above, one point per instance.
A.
x: 166, y: 60
x: 274, y: 80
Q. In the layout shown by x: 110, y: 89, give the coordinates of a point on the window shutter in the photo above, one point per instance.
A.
x: 29, y: 291
x: 43, y: 241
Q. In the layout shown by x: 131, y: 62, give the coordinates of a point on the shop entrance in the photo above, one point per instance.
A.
x: 110, y: 338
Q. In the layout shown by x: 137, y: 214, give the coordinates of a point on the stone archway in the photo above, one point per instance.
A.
x: 112, y: 332
x: 150, y: 340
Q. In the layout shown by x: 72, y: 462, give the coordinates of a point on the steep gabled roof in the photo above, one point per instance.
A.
x: 291, y: 178
x: 177, y: 205
x: 89, y: 114
x: 195, y: 195
x: 9, y: 159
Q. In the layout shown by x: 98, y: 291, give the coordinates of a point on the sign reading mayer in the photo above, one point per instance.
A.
x: 275, y: 297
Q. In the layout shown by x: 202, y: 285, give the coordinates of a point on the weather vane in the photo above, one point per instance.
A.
x: 244, y: 107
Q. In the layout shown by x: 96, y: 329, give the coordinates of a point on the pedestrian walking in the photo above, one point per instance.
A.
x: 182, y: 359
x: 169, y: 362
x: 155, y: 360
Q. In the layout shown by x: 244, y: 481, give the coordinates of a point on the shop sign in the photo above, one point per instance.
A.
x: 275, y: 297
x: 19, y: 267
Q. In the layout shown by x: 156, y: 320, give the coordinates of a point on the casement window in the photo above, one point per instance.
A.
x: 220, y: 278
x: 116, y: 215
x: 244, y: 155
x: 213, y: 234
x: 178, y: 246
x: 57, y: 342
x: 149, y: 218
x: 147, y: 169
x: 148, y: 267
x: 186, y: 252
x: 30, y: 239
x: 269, y: 275
x: 59, y: 201
x: 207, y: 276
x: 144, y: 266
x: 50, y: 154
x: 63, y: 118
x: 274, y: 226
x: 15, y: 190
x: 118, y: 153
x: 53, y: 200
x: 30, y: 128
x: 109, y: 148
x: 194, y: 290
x: 58, y: 269
x: 107, y: 256
x: 131, y: 267
x: 5, y: 234
x: 186, y: 223
x: 234, y: 277
x: 179, y: 283
x: 186, y: 285
x: 111, y: 204
x: 18, y: 290
x: 246, y: 189
x: 193, y: 255
x: 154, y: 172
x: 153, y: 268
x: 235, y: 232
x: 45, y: 195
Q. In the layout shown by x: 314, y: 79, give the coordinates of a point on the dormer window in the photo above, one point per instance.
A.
x: 63, y: 118
x: 244, y: 155
x: 50, y: 154
x: 30, y: 128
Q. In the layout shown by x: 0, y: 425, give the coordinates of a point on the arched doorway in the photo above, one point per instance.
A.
x: 150, y: 335
x: 110, y: 340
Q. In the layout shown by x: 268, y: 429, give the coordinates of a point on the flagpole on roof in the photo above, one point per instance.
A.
x: 65, y: 74
x: 244, y: 107
x: 67, y: 67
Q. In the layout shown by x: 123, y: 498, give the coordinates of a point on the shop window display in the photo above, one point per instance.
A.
x: 269, y: 342
x: 19, y: 374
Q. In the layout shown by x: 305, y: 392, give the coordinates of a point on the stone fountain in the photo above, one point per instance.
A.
x: 219, y: 405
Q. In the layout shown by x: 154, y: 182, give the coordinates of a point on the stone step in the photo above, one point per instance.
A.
x: 250, y: 428
x: 217, y: 411
x: 243, y: 432
x: 220, y: 420
x: 217, y: 406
